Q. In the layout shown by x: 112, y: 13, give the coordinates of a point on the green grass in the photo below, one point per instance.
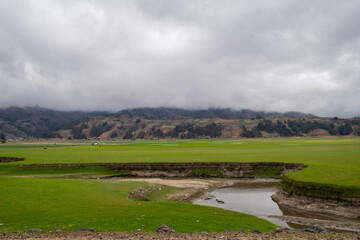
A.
x: 330, y: 161
x: 153, y: 192
x: 67, y: 204
x: 31, y: 146
x: 50, y: 204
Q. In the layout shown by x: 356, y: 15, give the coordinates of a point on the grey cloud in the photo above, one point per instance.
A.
x: 109, y: 55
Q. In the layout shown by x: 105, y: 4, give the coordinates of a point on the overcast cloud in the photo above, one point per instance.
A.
x: 278, y: 55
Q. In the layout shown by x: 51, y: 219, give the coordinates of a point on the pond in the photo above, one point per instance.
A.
x: 252, y: 197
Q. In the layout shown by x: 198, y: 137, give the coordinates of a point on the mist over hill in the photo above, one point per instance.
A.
x: 222, y: 113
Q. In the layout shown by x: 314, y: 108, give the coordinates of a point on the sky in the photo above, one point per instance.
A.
x: 278, y: 55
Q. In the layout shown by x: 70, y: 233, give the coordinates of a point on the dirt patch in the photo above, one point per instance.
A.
x: 10, y: 159
x: 193, y: 189
x: 180, y: 183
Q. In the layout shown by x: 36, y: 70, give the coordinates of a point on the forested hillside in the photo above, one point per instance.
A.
x: 38, y: 122
x: 168, y: 123
x: 137, y: 128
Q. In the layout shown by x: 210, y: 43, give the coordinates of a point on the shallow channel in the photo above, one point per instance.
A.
x: 249, y: 196
x: 253, y: 196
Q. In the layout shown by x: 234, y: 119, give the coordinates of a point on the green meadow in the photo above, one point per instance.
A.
x: 51, y: 204
x: 67, y: 204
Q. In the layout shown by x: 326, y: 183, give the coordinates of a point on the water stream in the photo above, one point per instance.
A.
x: 252, y: 197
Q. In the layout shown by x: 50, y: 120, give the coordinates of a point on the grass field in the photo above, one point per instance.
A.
x: 330, y: 161
x: 67, y: 204
x: 51, y: 204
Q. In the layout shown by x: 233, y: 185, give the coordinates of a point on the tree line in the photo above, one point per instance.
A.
x: 289, y: 128
x: 181, y: 131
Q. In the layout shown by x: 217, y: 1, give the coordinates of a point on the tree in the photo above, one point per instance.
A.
x: 128, y: 135
x: 114, y: 134
x: 77, y: 133
x: 2, y: 138
x: 332, y: 129
x: 96, y: 131
x: 345, y: 129
x: 141, y: 135
x: 251, y: 133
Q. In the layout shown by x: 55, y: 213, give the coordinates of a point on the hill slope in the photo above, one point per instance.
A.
x: 24, y: 122
x: 110, y: 127
x: 168, y: 123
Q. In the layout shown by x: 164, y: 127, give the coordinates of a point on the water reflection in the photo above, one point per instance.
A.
x: 249, y: 196
x: 254, y: 197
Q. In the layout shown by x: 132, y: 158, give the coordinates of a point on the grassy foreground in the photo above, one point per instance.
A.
x: 68, y: 204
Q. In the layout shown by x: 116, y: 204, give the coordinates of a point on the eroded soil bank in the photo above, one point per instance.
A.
x: 211, y: 169
x: 318, y: 206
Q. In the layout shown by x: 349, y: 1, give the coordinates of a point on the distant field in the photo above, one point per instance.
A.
x: 330, y: 161
x: 68, y: 204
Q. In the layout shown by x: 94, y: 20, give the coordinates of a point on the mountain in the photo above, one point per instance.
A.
x: 131, y: 126
x: 167, y: 123
x: 34, y: 121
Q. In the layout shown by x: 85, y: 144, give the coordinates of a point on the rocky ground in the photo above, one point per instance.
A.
x: 344, y: 225
x: 182, y: 236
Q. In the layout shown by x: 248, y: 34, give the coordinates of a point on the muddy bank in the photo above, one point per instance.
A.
x: 318, y: 206
x: 320, y: 191
x: 179, y: 183
x: 220, y: 170
x: 192, y: 189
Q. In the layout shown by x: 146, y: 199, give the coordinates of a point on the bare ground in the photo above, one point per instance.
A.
x: 180, y: 183
x: 193, y: 189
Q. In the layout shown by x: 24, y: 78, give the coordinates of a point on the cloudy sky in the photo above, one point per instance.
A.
x: 279, y: 55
